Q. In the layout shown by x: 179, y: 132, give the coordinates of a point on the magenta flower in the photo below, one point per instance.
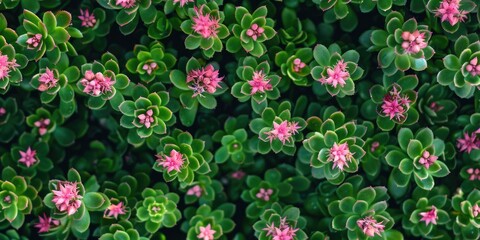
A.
x: 449, y: 10
x: 44, y: 224
x: 468, y: 143
x: 172, y: 162
x: 206, y: 233
x: 239, y: 174
x: 126, y: 3
x: 87, y: 18
x: 474, y: 174
x: 264, y: 194
x: 47, y: 80
x: 370, y: 226
x: 150, y: 67
x: 28, y: 157
x: 204, y: 24
x: 115, y: 209
x: 34, y: 41
x: 182, y: 2
x: 413, y: 42
x: 66, y: 197
x: 255, y: 31
x: 259, y: 83
x: 340, y: 155
x: 195, y: 191
x: 427, y: 159
x: 473, y: 67
x: 298, y: 65
x: 374, y: 146
x: 205, y: 79
x: 336, y: 75
x: 475, y: 210
x: 3, y: 111
x: 430, y: 216
x: 146, y: 118
x: 394, y: 105
x: 42, y: 126
x: 283, y: 131
x: 6, y: 66
x: 96, y: 83
x: 283, y: 232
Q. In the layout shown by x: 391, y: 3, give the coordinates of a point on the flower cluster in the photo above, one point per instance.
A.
x: 336, y: 75
x: 283, y: 131
x: 203, y: 80
x: 449, y: 10
x: 6, y: 66
x: 96, y: 84
x: 67, y: 198
x: 284, y: 231
x: 370, y: 226
x: 395, y: 105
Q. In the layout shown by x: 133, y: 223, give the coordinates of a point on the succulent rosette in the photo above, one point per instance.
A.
x: 158, y: 209
x: 145, y: 116
x: 336, y: 71
x: 336, y: 148
x: 204, y: 190
x: 121, y: 230
x: 403, y: 45
x: 29, y: 156
x: 419, y: 156
x: 466, y: 223
x: 278, y: 222
x: 258, y: 84
x: 42, y: 122
x: 182, y: 157
x: 11, y: 119
x: 206, y: 222
x: 339, y: 10
x: 234, y: 147
x: 395, y: 103
x: 95, y: 24
x: 375, y: 148
x: 277, y: 129
x: 295, y: 30
x: 162, y: 27
x: 294, y: 64
x: 151, y: 61
x: 462, y: 68
x: 435, y: 104
x: 250, y: 31
x: 451, y: 13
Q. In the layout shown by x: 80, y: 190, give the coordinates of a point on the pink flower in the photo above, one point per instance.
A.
x: 6, y: 66
x: 283, y: 131
x: 204, y: 24
x: 206, y: 233
x: 195, y: 190
x: 96, y: 83
x: 374, y: 146
x: 7, y: 199
x: 435, y: 107
x: 172, y: 162
x: 204, y: 80
x: 336, y: 75
x: 468, y: 143
x: 394, y: 105
x: 413, y: 42
x: 182, y: 2
x: 283, y: 232
x: 427, y: 160
x: 449, y: 10
x: 473, y: 67
x: 126, y: 3
x: 264, y: 194
x: 238, y: 174
x: 370, y: 226
x: 66, y: 197
x: 34, y: 41
x: 298, y: 65
x: 475, y: 210
x: 340, y: 155
x: 42, y: 126
x: 259, y: 83
x: 3, y: 111
x: 430, y: 216
x: 115, y: 209
x: 255, y: 31
x: 44, y: 224
x: 146, y: 118
x: 47, y: 80
x: 28, y: 157
x: 150, y: 67
x: 474, y: 174
x: 88, y: 19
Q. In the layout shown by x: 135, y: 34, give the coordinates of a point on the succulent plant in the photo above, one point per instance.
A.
x: 151, y: 61
x: 452, y: 12
x: 294, y: 64
x: 158, y: 209
x: 277, y: 222
x: 205, y: 221
x: 466, y: 223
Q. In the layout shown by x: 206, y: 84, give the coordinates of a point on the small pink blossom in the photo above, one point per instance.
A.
x: 66, y: 197
x: 283, y: 131
x: 435, y: 107
x: 474, y: 174
x: 255, y: 31
x: 7, y: 199
x: 150, y: 67
x: 374, y: 146
x: 195, y: 191
x: 238, y: 174
x: 449, y: 10
x: 413, y: 42
x: 87, y: 18
x: 298, y: 65
x: 6, y: 66
x: 337, y: 75
x: 96, y: 83
x: 427, y: 159
x: 468, y: 143
x: 473, y: 67
x: 47, y: 80
x: 205, y: 79
x: 44, y: 224
x: 126, y: 3
x: 42, y: 125
x: 394, y: 105
x: 259, y: 83
x: 340, y: 155
x: 370, y: 226
x: 264, y: 194
x: 3, y: 111
x: 115, y: 209
x: 283, y: 232
x: 204, y: 24
x: 430, y: 216
x: 146, y: 118
x: 173, y: 162
x: 28, y: 157
x: 182, y: 2
x: 34, y: 41
x: 206, y: 233
x: 475, y: 210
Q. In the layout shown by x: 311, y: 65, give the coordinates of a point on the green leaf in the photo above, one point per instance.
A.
x: 93, y: 200
x: 414, y: 148
x: 127, y: 108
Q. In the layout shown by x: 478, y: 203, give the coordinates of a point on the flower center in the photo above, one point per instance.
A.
x: 298, y: 65
x: 172, y: 162
x: 42, y: 126
x: 150, y: 67
x: 147, y: 118
x: 96, y: 83
x: 374, y: 146
x: 3, y: 111
x: 34, y: 41
x: 394, y: 105
x: 204, y: 80
x: 449, y: 10
x: 204, y: 24
x: 255, y: 31
x: 427, y: 159
x: 156, y: 209
x: 473, y: 67
x: 337, y: 75
x: 413, y: 42
x: 264, y: 194
x: 87, y: 18
x: 340, y: 155
x: 474, y: 174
